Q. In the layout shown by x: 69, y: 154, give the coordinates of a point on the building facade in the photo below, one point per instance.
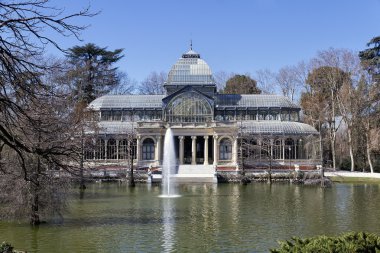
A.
x: 217, y: 131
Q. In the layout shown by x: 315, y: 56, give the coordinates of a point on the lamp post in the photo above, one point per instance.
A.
x: 290, y: 157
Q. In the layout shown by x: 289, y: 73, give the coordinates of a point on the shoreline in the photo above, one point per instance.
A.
x: 347, y: 176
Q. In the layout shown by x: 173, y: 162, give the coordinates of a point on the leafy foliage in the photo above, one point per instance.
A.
x: 349, y: 242
x: 6, y: 248
x: 241, y: 84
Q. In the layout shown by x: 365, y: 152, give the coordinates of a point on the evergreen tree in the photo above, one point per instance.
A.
x: 93, y: 74
x: 370, y: 58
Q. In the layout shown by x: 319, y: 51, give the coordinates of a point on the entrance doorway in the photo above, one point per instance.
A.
x: 200, y: 150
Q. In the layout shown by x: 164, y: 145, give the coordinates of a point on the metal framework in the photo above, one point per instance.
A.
x: 189, y: 107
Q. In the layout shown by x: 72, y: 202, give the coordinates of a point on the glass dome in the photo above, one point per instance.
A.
x: 190, y: 69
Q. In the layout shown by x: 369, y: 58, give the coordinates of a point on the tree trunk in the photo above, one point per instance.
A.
x: 322, y: 177
x: 270, y: 169
x: 351, y: 149
x: 82, y: 186
x: 320, y: 142
x: 131, y: 181
x: 368, y: 146
x: 34, y: 215
x: 333, y: 130
x: 332, y: 142
x: 35, y: 187
x: 131, y: 177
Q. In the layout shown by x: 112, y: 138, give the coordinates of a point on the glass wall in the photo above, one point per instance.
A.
x: 256, y: 149
x: 189, y: 107
x: 252, y: 114
x: 135, y: 115
x: 110, y: 149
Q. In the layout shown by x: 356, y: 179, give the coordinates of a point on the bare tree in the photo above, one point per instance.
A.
x: 348, y: 109
x: 22, y: 45
x: 131, y: 154
x: 370, y: 61
x: 266, y: 81
x: 348, y: 98
x: 35, y: 126
x: 153, y: 84
x: 126, y: 85
x: 221, y: 79
x: 368, y: 95
x: 330, y: 69
x: 287, y: 80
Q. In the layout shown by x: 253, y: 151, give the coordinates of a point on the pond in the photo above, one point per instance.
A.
x: 206, y: 218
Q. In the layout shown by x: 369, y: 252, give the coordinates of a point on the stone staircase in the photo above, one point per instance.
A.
x: 195, y: 173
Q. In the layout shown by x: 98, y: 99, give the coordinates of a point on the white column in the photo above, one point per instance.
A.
x: 235, y: 151
x: 215, y: 149
x: 117, y: 149
x: 181, y: 149
x: 194, y: 150
x: 271, y: 148
x: 283, y: 149
x: 138, y: 148
x: 206, y: 150
x: 158, y: 148
x: 295, y: 149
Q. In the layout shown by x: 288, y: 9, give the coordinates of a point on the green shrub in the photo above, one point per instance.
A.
x: 349, y: 242
x: 6, y: 248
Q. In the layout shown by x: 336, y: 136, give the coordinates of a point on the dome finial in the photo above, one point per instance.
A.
x: 191, y: 53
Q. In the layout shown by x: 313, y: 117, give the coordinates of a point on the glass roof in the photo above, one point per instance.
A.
x: 285, y: 128
x: 276, y: 128
x: 222, y: 100
x: 257, y: 100
x: 115, y: 127
x: 190, y: 69
x: 127, y: 101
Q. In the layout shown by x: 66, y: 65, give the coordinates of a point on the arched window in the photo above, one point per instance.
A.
x: 189, y: 107
x: 99, y: 149
x: 225, y: 149
x: 148, y: 149
x: 123, y: 149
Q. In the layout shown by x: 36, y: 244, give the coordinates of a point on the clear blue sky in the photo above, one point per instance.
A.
x: 231, y: 35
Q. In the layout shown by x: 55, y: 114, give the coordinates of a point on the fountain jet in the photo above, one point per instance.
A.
x: 169, y: 166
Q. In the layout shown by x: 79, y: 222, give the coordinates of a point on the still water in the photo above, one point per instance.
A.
x: 207, y: 218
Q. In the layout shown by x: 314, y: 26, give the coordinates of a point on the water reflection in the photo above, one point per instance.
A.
x: 207, y: 218
x: 168, y: 223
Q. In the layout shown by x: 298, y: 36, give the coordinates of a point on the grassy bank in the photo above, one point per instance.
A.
x: 342, y: 179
